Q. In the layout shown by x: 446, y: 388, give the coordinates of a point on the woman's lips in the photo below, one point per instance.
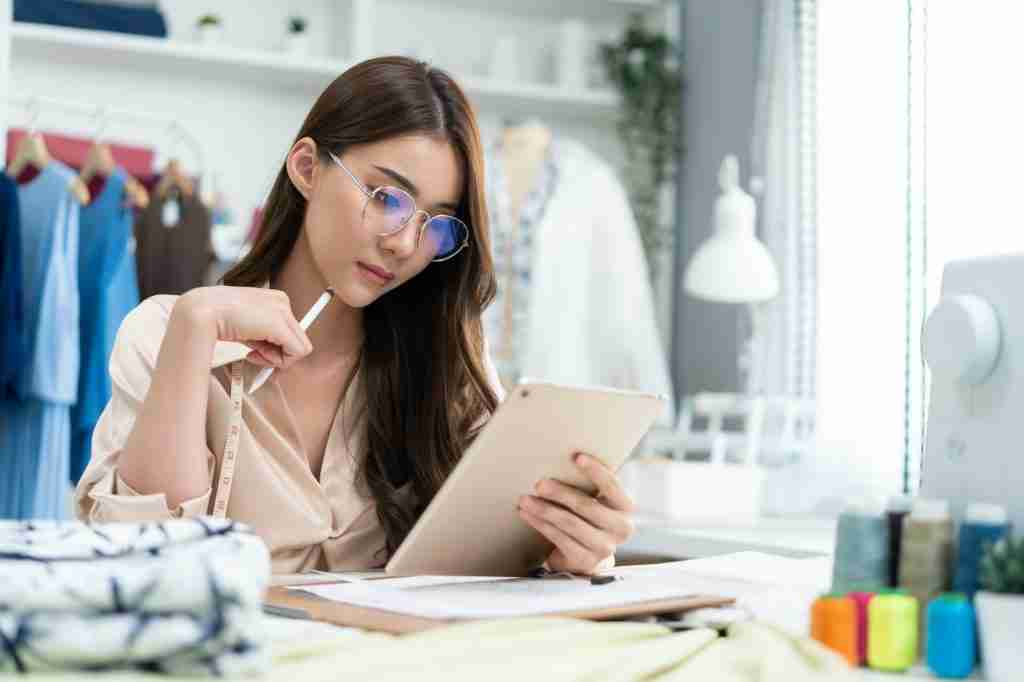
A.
x: 378, y: 274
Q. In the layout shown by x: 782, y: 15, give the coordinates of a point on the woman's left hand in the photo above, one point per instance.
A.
x: 584, y: 529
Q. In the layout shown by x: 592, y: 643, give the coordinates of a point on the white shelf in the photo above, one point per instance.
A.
x: 601, y: 10
x: 269, y: 69
x: 56, y: 44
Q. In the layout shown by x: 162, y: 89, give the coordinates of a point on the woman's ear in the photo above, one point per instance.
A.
x: 302, y: 164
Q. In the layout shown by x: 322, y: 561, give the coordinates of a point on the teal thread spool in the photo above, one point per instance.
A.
x: 861, y: 561
x: 926, y: 553
x: 983, y: 524
x: 951, y: 636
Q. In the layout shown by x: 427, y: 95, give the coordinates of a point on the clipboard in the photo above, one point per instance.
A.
x: 308, y: 605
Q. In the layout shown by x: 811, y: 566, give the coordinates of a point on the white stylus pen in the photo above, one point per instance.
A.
x: 306, y: 321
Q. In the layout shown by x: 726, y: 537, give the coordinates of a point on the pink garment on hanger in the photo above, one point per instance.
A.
x: 137, y: 161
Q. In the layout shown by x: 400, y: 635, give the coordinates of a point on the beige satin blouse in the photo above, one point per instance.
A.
x: 327, y: 524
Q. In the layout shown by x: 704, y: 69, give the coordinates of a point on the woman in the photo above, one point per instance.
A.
x: 381, y: 199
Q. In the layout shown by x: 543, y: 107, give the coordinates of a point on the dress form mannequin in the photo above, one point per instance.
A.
x: 522, y: 153
x: 570, y: 267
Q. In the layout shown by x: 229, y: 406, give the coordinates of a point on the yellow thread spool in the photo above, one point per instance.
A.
x: 892, y: 631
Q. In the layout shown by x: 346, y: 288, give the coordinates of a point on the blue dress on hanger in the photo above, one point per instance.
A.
x: 35, y: 432
x: 11, y: 313
x: 108, y: 290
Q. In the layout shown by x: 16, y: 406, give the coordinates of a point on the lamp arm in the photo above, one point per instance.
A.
x: 749, y: 359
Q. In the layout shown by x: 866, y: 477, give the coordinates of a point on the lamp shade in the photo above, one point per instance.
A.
x: 732, y: 266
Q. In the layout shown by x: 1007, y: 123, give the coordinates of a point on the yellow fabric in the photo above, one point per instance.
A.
x: 532, y: 649
x: 562, y: 649
x: 756, y: 652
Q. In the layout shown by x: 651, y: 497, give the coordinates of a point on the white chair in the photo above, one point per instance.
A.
x: 709, y: 466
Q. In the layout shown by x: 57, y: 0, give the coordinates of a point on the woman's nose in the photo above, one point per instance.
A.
x: 404, y: 242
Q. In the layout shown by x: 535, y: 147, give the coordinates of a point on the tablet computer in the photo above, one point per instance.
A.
x: 472, y: 526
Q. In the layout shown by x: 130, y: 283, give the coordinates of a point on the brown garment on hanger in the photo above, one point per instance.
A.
x: 172, y: 260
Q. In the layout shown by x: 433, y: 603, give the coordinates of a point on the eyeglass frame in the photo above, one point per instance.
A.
x: 369, y: 194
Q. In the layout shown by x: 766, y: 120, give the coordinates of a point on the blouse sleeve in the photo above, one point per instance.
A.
x: 101, y: 494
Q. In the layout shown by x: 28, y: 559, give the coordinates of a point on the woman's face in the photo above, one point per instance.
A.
x: 359, y: 263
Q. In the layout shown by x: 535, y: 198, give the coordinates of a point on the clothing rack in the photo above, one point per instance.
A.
x: 104, y: 115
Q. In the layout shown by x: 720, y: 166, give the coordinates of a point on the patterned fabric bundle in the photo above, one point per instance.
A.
x: 181, y: 597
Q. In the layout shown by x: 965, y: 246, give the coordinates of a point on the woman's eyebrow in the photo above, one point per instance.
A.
x: 411, y: 186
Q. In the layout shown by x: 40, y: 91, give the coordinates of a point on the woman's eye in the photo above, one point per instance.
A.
x: 387, y: 200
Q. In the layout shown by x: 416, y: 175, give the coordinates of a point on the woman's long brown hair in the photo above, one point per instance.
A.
x: 421, y: 367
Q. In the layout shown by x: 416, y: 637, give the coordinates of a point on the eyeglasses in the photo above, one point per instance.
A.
x: 388, y: 210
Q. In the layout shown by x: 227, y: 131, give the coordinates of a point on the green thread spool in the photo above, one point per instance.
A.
x: 892, y: 631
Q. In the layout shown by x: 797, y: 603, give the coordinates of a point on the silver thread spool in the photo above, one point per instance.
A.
x: 861, y: 560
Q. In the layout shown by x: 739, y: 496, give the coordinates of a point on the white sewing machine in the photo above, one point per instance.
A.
x: 974, y: 344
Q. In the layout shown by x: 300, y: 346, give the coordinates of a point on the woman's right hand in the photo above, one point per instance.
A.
x: 260, y: 318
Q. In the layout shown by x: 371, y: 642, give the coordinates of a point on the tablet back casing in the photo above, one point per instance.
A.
x: 472, y: 526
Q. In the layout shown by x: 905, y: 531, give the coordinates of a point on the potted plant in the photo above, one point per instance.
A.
x: 208, y: 29
x: 1000, y: 607
x: 296, y: 40
x: 643, y: 65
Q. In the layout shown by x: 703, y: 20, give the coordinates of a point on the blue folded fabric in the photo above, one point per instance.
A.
x: 120, y: 18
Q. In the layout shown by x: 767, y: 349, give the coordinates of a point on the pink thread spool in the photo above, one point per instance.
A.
x: 862, y: 599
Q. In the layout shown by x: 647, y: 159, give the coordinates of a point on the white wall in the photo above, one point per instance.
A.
x: 720, y: 46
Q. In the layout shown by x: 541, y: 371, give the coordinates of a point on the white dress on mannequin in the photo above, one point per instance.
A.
x: 575, y: 304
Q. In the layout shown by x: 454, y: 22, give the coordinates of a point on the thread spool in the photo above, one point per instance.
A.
x: 983, y: 524
x: 951, y: 636
x: 834, y: 624
x: 861, y: 561
x: 896, y: 510
x: 926, y: 553
x: 861, y: 600
x: 892, y: 631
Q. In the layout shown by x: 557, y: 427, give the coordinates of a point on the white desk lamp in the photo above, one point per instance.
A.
x: 733, y: 266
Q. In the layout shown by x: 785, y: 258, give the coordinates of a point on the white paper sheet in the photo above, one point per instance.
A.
x: 748, y: 567
x: 497, y: 598
x: 425, y: 580
x: 309, y: 577
x: 774, y: 589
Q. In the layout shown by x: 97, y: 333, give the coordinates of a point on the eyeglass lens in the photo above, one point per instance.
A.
x: 388, y: 210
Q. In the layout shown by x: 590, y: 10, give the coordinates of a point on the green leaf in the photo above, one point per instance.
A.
x: 644, y: 68
x: 1002, y: 566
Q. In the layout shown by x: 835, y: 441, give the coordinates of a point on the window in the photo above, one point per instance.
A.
x: 920, y: 117
x: 862, y: 81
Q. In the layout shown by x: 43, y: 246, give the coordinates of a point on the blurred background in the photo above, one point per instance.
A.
x: 755, y: 200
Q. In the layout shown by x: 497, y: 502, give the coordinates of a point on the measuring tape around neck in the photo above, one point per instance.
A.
x: 227, y: 463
